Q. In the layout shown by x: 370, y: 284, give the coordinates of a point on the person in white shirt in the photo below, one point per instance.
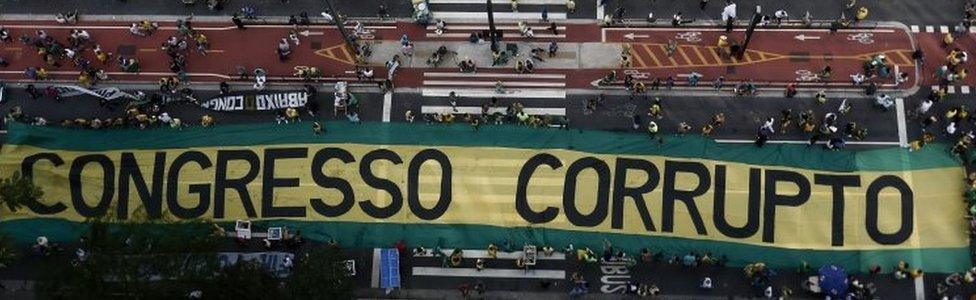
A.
x: 780, y: 16
x: 951, y: 129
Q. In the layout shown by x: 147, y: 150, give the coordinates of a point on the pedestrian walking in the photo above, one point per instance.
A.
x: 676, y: 19
x: 545, y: 14
x: 570, y: 6
x: 553, y: 47
x: 728, y: 16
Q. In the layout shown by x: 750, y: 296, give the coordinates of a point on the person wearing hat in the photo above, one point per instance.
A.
x: 479, y: 264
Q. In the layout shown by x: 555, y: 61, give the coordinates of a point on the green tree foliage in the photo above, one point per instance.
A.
x: 320, y: 274
x: 16, y: 191
x: 243, y: 280
x: 135, y: 261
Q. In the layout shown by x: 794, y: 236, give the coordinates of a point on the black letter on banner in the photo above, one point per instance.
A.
x: 752, y: 210
x: 268, y: 210
x: 413, y: 190
x: 620, y: 190
x: 380, y: 183
x: 773, y: 199
x: 907, y: 207
x: 837, y: 184
x: 27, y: 170
x: 671, y: 169
x: 173, y: 181
x: 152, y: 200
x: 522, y: 201
x: 108, y: 185
x: 222, y: 183
x: 348, y: 197
x: 599, y: 212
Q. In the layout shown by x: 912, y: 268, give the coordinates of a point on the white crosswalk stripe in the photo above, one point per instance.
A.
x: 915, y: 28
x: 521, y: 2
x: 964, y: 89
x: 952, y: 89
x: 482, y: 86
x: 510, y: 31
x: 505, y: 268
x: 468, y: 16
x: 943, y: 29
x: 929, y: 29
x: 442, y: 9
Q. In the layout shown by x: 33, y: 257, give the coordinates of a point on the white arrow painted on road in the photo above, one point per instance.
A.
x: 308, y: 33
x: 802, y: 37
x: 631, y: 36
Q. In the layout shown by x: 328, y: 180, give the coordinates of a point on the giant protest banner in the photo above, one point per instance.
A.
x: 370, y: 185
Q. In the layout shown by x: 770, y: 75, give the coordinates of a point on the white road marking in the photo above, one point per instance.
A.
x: 476, y: 110
x: 473, y: 253
x: 489, y: 273
x: 915, y: 28
x: 3, y: 132
x: 153, y: 74
x: 498, y: 15
x: 742, y: 29
x: 741, y: 141
x: 963, y: 89
x: 507, y: 37
x: 387, y: 106
x: 930, y: 29
x: 375, y: 274
x: 493, y: 75
x: 935, y: 88
x: 902, y: 127
x: 485, y: 27
x: 491, y: 83
x: 919, y: 288
x: 202, y: 28
x: 599, y: 11
x: 488, y: 93
x: 521, y: 2
x: 943, y: 29
x: 952, y: 89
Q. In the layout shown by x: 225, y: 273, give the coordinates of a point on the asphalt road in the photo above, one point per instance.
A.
x: 744, y: 115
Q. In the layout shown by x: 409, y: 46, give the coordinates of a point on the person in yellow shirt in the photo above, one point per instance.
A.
x: 723, y: 44
x: 862, y: 13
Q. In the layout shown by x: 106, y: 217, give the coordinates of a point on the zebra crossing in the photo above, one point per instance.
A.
x: 460, y: 10
x: 482, y: 86
x: 503, y: 266
x: 952, y: 89
x: 938, y: 29
x: 510, y: 31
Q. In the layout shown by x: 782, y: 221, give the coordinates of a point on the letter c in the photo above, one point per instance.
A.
x: 522, y: 202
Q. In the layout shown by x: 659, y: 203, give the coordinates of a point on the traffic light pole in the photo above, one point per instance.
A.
x: 491, y: 28
x: 339, y: 20
x: 752, y: 28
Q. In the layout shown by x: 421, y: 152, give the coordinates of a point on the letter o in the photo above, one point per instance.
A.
x: 907, y: 209
x: 413, y: 193
x: 599, y: 212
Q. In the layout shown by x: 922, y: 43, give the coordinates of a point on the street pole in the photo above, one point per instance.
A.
x: 491, y: 28
x: 752, y: 28
x: 342, y: 28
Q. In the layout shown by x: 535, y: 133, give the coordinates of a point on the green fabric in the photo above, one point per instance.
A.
x: 511, y: 136
x: 369, y: 235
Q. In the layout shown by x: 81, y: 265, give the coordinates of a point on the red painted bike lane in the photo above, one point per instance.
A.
x: 320, y: 46
x: 773, y: 55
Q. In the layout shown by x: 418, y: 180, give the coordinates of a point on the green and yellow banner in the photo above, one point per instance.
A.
x: 370, y: 185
